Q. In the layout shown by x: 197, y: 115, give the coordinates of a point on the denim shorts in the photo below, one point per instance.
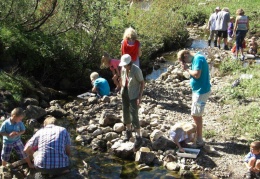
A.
x: 199, y: 103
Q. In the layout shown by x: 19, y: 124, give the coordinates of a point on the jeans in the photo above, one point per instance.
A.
x: 240, y: 36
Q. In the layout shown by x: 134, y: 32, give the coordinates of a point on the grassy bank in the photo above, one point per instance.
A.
x: 245, y: 99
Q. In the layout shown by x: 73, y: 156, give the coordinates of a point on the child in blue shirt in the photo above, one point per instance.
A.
x: 252, y: 160
x: 11, y: 130
x: 100, y: 85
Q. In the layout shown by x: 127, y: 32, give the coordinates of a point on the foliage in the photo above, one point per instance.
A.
x: 209, y: 134
x: 16, y: 84
x: 229, y: 66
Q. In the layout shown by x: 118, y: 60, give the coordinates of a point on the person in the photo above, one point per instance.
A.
x: 113, y: 64
x: 130, y: 45
x: 11, y: 130
x: 100, y: 85
x: 252, y: 161
x: 241, y: 27
x: 132, y: 86
x: 52, y: 145
x: 182, y: 133
x: 234, y: 48
x: 212, y: 27
x: 252, y: 45
x: 230, y: 31
x: 222, y: 26
x: 200, y: 85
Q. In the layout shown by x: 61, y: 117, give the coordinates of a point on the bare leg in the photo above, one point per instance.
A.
x: 4, y: 163
x: 198, y: 122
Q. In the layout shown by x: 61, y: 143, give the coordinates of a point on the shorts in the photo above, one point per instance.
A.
x: 199, y: 103
x: 222, y: 34
x: 7, y: 149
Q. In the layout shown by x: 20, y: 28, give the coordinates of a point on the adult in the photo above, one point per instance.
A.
x: 132, y: 86
x: 200, y: 85
x: 241, y: 28
x: 100, y: 85
x: 130, y: 45
x: 222, y: 26
x: 213, y: 33
x: 52, y: 145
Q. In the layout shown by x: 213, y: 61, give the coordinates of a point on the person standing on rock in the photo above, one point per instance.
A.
x: 130, y: 45
x: 222, y: 26
x: 241, y: 28
x: 132, y: 86
x: 200, y: 85
x: 213, y: 33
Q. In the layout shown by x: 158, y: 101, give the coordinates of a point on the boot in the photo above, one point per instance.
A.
x: 215, y: 43
x: 226, y: 47
x: 209, y: 42
x: 138, y: 142
x: 128, y: 135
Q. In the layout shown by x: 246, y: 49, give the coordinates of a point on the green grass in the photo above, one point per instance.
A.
x: 244, y: 98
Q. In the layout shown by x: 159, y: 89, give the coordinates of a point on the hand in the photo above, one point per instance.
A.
x: 139, y: 101
x: 181, y: 150
x: 13, y: 134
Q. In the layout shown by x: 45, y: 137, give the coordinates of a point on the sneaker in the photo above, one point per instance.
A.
x: 249, y: 175
x: 226, y: 47
x: 200, y: 143
x: 242, y: 57
x: 138, y: 142
x: 128, y: 135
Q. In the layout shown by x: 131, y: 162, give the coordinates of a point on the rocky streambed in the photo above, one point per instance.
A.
x: 95, y: 125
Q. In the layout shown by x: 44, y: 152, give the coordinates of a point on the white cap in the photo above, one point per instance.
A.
x: 125, y: 60
x: 218, y: 8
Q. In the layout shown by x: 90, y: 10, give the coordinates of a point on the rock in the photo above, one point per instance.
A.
x: 56, y: 111
x: 119, y: 127
x: 123, y: 150
x: 110, y: 136
x: 30, y: 101
x: 35, y: 112
x: 108, y: 118
x: 92, y: 100
x: 173, y: 166
x: 144, y: 157
x: 163, y: 144
x: 156, y: 134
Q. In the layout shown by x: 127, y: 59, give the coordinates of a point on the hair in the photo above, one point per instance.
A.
x: 225, y: 9
x: 255, y: 145
x: 105, y: 60
x: 17, y: 112
x: 94, y: 76
x: 130, y: 33
x: 49, y: 120
x: 232, y: 18
x: 188, y: 128
x: 180, y: 54
x: 240, y: 12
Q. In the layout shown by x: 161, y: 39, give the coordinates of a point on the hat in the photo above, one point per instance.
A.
x: 217, y: 8
x: 125, y: 60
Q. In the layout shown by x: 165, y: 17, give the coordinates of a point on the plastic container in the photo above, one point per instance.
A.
x: 189, y: 153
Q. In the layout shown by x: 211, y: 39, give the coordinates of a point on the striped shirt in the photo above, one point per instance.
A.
x: 51, y: 142
x: 242, y: 22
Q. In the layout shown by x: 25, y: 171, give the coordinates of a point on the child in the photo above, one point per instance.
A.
x: 11, y: 130
x: 233, y: 50
x: 230, y: 31
x: 130, y: 45
x: 252, y: 160
x: 252, y: 46
x: 100, y: 85
x: 183, y: 133
x: 113, y: 64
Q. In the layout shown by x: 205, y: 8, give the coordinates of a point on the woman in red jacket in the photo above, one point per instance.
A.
x: 130, y: 45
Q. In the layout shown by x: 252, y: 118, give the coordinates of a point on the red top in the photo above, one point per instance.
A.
x: 132, y: 50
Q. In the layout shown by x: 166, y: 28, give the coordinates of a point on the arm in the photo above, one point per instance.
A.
x: 139, y: 52
x: 194, y: 73
x: 178, y: 144
x: 139, y: 100
x: 235, y: 27
x: 67, y: 150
